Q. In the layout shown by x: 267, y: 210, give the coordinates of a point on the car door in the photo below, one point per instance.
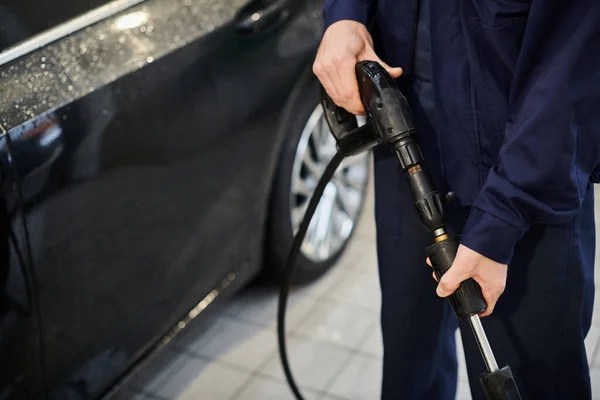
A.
x: 145, y: 145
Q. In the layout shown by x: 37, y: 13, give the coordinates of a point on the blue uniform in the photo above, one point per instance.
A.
x: 507, y: 97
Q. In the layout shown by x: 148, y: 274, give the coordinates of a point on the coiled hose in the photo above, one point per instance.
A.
x: 291, y: 263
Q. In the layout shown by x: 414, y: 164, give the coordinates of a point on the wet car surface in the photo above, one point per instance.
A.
x: 138, y: 156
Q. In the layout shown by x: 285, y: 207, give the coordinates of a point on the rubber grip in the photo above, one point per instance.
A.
x: 467, y: 300
x: 500, y: 385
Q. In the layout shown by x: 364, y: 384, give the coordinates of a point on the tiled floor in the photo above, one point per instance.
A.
x: 334, y: 341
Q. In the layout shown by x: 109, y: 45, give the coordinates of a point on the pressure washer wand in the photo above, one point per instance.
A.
x: 390, y: 118
x: 390, y: 123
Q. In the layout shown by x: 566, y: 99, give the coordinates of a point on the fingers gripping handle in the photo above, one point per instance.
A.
x: 467, y: 300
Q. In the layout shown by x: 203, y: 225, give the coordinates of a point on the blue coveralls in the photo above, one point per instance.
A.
x: 525, y: 196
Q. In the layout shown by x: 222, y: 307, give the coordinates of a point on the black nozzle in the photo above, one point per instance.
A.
x: 385, y: 103
x: 350, y: 138
x: 500, y: 385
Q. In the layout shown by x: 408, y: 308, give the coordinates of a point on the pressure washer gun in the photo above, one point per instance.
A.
x: 389, y: 122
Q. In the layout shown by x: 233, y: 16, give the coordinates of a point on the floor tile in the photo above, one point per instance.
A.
x: 360, y: 257
x: 460, y: 355
x: 596, y: 314
x: 366, y: 232
x: 259, y: 305
x: 234, y: 341
x: 463, y: 391
x: 128, y: 393
x: 193, y: 378
x: 268, y: 389
x: 156, y: 367
x: 373, y: 345
x: 326, y: 283
x: 337, y: 323
x: 329, y: 396
x: 352, y: 256
x: 591, y: 345
x: 595, y: 377
x: 313, y: 364
x: 368, y: 260
x: 366, y: 227
x: 360, y: 379
x: 359, y: 289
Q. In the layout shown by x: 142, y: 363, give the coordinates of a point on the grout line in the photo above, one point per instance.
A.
x: 308, y: 297
x: 595, y: 351
x: 363, y: 340
x: 247, y: 321
x: 333, y: 396
x: 365, y: 354
x: 352, y: 354
x: 338, y: 373
x: 238, y: 392
x: 165, y: 368
x: 344, y: 364
x: 305, y: 317
x: 177, y: 348
x: 303, y: 386
x: 316, y: 299
x: 360, y: 307
x: 337, y: 346
x: 220, y: 361
x: 252, y: 373
x: 257, y: 373
x: 273, y: 379
x: 151, y: 395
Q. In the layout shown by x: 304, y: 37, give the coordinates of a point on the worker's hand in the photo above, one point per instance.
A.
x: 344, y: 44
x: 490, y: 275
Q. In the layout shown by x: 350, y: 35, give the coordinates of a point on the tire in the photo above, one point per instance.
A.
x: 315, y: 257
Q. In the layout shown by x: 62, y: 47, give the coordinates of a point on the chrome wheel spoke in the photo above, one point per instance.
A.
x: 338, y: 208
x: 356, y: 181
x: 311, y: 241
x: 312, y: 165
x: 344, y: 224
x: 321, y: 133
x: 324, y: 144
x: 298, y: 214
x: 323, y: 227
x: 349, y: 199
x: 301, y: 187
x: 357, y: 160
x: 355, y: 176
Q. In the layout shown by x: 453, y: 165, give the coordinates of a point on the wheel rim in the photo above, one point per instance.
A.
x: 339, y: 208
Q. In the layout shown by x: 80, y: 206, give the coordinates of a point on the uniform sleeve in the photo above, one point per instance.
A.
x: 355, y: 10
x: 552, y: 139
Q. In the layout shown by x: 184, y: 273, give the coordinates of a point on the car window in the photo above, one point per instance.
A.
x: 21, y: 19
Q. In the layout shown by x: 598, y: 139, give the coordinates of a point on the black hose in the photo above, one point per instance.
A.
x: 21, y: 260
x: 291, y: 263
x: 29, y: 270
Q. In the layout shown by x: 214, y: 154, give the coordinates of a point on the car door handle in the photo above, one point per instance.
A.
x: 260, y: 15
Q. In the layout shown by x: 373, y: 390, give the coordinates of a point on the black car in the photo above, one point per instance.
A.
x: 155, y: 156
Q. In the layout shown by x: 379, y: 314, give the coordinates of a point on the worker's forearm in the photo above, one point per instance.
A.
x: 355, y: 10
x: 551, y: 142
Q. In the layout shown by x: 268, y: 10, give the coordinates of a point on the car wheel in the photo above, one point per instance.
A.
x: 308, y: 148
